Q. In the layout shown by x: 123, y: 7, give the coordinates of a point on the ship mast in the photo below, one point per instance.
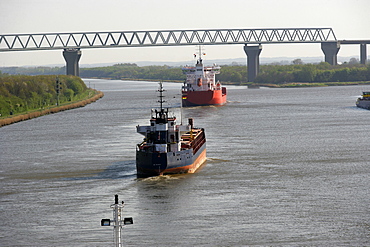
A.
x: 200, y: 54
x: 161, y: 115
x: 161, y: 90
x: 117, y: 221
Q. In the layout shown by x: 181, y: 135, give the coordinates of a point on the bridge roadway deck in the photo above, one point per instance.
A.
x: 353, y: 42
x: 52, y: 41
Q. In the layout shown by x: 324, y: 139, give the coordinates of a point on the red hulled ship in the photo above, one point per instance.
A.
x: 200, y: 87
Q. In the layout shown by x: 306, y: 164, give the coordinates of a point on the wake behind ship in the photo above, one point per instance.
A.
x: 168, y: 147
x: 200, y: 87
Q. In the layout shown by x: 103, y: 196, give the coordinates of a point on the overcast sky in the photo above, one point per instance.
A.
x: 350, y: 19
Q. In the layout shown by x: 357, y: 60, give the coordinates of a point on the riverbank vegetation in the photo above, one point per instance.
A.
x: 315, y: 74
x: 295, y: 74
x: 23, y: 93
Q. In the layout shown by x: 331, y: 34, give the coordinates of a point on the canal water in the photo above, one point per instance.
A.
x: 285, y: 167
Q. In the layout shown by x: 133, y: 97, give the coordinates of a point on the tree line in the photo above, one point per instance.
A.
x: 313, y: 73
x: 268, y: 74
x: 131, y: 71
x: 22, y: 93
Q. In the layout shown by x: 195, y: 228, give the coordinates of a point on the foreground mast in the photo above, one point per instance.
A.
x: 117, y: 221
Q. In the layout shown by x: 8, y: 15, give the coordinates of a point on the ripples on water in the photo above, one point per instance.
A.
x: 285, y: 167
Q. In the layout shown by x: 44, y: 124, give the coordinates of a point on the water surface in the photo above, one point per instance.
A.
x: 286, y: 167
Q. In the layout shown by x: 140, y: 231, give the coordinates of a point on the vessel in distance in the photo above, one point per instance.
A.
x: 168, y: 147
x: 200, y: 87
x: 364, y: 101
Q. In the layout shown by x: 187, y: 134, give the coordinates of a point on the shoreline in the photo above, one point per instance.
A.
x: 55, y: 109
x: 255, y: 85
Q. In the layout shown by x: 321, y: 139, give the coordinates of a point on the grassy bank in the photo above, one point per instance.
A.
x: 24, y: 97
x: 92, y: 97
x: 23, y: 93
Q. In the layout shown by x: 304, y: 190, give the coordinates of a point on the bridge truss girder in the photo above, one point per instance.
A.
x: 54, y: 41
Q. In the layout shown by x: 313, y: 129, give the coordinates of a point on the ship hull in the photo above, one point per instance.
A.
x: 154, y: 164
x: 202, y: 98
x: 363, y: 104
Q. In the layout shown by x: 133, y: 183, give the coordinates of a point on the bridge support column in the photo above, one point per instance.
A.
x: 363, y: 53
x: 330, y: 50
x: 72, y: 56
x: 253, y: 60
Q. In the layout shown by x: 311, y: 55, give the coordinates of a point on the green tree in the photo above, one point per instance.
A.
x: 69, y: 93
x: 323, y: 76
x: 297, y: 61
x: 341, y: 74
x: 306, y: 74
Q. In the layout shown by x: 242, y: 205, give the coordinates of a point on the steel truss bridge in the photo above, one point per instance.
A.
x: 52, y: 41
x: 252, y: 39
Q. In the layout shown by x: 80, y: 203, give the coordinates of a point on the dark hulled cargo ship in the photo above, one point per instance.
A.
x: 168, y: 147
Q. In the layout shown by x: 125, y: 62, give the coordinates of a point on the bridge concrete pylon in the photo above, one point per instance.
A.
x: 72, y: 56
x: 253, y: 60
x: 330, y: 50
x: 363, y: 54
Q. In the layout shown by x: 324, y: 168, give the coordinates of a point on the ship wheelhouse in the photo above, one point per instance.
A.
x: 163, y: 135
x: 200, y: 77
x: 366, y: 95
